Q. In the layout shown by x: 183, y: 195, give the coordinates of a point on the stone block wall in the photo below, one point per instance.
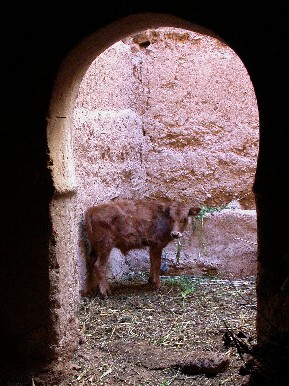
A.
x: 200, y: 117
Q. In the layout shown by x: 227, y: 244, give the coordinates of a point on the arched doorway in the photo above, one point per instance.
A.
x: 64, y: 207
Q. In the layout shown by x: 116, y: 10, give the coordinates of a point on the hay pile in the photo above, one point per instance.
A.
x: 135, y: 336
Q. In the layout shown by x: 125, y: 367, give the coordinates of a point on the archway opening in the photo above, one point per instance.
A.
x: 160, y: 132
x: 172, y: 113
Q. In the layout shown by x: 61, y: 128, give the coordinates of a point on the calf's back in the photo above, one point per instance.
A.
x: 132, y: 224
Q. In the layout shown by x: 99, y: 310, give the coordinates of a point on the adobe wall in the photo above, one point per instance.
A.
x: 172, y: 113
x: 200, y: 118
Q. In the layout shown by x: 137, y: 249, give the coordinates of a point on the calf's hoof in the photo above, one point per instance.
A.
x: 88, y: 293
x: 154, y: 284
x: 104, y: 293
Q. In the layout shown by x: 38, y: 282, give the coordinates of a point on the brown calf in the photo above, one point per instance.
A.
x: 132, y: 224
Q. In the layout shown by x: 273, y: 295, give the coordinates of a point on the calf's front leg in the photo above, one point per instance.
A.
x: 155, y: 266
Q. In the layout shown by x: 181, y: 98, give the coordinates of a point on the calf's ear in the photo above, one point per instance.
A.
x: 194, y: 211
x: 167, y: 211
x: 163, y: 208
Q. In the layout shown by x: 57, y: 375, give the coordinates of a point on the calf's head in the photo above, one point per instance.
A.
x: 179, y: 215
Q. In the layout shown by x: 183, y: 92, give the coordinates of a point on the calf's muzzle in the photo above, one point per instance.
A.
x: 176, y: 234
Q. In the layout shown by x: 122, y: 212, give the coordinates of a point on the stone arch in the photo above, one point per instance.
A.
x: 67, y: 82
x: 64, y: 278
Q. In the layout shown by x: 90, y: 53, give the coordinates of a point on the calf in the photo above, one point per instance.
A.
x: 132, y: 224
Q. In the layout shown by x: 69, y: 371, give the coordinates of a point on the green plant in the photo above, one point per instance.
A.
x: 198, y: 223
x: 170, y: 381
x: 179, y: 247
x: 205, y: 210
x: 186, y: 285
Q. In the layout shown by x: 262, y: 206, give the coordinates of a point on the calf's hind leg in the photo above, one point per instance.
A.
x: 100, y: 272
x: 155, y: 266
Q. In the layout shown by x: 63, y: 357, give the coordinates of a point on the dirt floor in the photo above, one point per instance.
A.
x: 144, y: 337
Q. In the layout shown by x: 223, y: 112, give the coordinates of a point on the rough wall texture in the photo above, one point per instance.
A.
x: 110, y: 150
x: 171, y: 113
x: 200, y: 116
x: 64, y: 272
